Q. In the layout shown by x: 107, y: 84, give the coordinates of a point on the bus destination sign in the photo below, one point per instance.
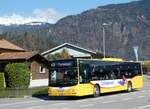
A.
x: 69, y: 63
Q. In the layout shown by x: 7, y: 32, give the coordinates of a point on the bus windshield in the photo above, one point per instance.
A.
x: 61, y: 77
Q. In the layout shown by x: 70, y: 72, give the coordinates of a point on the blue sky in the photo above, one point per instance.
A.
x: 20, y: 11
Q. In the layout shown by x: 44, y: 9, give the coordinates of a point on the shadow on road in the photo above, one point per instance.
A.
x: 46, y: 97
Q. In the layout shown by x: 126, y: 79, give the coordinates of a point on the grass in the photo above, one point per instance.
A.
x: 16, y: 93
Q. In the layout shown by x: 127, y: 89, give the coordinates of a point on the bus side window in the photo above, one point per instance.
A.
x: 126, y: 74
x: 84, y: 76
x: 118, y: 73
x: 106, y: 76
x: 112, y: 75
x: 130, y: 74
x: 102, y: 76
x: 95, y: 75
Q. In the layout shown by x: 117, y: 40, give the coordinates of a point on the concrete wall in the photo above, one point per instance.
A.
x: 39, y: 82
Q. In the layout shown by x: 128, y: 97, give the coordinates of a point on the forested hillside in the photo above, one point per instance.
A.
x: 30, y: 37
x: 130, y: 27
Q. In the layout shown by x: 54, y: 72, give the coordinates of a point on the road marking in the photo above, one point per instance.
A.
x: 86, y: 105
x: 142, y: 107
x: 58, y: 104
x: 124, y: 94
x: 125, y: 99
x: 112, y: 101
x: 24, y: 102
x: 141, y: 96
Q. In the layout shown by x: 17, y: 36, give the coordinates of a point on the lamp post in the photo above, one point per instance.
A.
x: 104, y: 48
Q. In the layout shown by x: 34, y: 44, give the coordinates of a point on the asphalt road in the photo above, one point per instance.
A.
x: 135, y: 100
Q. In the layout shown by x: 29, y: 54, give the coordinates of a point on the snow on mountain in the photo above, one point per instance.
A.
x: 35, y: 23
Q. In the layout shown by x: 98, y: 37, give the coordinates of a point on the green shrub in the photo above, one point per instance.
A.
x: 147, y: 65
x: 2, y: 81
x: 17, y: 76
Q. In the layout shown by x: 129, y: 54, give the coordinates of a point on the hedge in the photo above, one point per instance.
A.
x: 17, y: 76
x: 2, y: 80
x: 147, y: 65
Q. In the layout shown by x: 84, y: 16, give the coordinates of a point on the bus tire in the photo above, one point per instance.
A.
x: 129, y: 87
x: 96, y: 91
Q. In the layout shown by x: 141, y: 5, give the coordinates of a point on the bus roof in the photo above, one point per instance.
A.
x: 104, y: 60
x: 113, y: 59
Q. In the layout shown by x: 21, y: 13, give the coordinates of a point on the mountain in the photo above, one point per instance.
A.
x: 130, y: 27
x: 30, y: 36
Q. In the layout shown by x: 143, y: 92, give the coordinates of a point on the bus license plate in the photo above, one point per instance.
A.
x: 61, y: 94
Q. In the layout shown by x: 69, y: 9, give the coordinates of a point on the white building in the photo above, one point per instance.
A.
x: 73, y: 50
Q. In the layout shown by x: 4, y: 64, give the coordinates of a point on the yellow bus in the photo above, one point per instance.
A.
x: 80, y: 77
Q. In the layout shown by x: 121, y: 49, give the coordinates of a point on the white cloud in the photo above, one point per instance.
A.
x: 47, y: 15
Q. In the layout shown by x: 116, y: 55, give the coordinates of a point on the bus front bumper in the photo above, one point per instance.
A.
x: 63, y: 91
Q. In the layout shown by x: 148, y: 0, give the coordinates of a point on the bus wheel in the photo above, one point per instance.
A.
x: 96, y: 91
x: 129, y: 87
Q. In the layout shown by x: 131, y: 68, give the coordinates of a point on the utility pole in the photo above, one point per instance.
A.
x: 104, y: 47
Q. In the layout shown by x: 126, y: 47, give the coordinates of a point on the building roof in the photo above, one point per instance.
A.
x: 68, y: 45
x: 17, y: 55
x: 4, y: 44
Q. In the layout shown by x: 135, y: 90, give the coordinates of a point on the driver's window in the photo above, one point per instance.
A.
x: 53, y: 76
